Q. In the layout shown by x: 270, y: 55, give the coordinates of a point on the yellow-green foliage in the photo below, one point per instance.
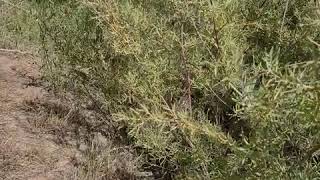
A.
x: 249, y: 71
x: 18, y: 27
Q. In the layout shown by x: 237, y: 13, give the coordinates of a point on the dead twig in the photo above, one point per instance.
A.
x: 284, y: 15
x: 16, y: 51
x: 187, y: 85
x: 314, y: 42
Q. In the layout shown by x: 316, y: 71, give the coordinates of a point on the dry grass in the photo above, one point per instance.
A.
x: 23, y: 161
x: 98, y: 157
x: 110, y: 163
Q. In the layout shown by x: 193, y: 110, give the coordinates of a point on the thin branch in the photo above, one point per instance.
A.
x: 216, y: 38
x: 186, y: 72
x: 15, y: 51
x: 314, y: 42
x: 262, y: 4
x: 284, y: 15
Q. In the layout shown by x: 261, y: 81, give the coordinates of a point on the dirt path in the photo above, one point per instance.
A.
x: 26, y: 154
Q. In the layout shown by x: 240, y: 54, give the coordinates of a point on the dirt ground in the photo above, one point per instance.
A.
x: 26, y: 153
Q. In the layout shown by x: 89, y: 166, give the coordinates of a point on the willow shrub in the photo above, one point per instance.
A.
x: 207, y: 89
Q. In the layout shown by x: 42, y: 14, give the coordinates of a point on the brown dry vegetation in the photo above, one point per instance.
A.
x: 44, y: 137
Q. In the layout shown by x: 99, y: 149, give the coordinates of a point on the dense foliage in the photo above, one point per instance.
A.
x: 15, y: 33
x: 205, y: 88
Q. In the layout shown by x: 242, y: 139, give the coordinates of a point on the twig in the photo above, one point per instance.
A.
x: 186, y: 73
x: 284, y: 16
x: 262, y: 4
x: 15, y: 51
x: 314, y: 42
x: 216, y: 38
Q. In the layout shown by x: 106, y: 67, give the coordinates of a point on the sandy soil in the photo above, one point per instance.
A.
x: 26, y: 154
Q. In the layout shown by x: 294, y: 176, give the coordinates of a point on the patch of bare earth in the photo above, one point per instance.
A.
x: 24, y: 153
x: 48, y: 137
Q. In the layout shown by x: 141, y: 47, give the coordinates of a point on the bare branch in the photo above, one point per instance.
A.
x: 16, y: 51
